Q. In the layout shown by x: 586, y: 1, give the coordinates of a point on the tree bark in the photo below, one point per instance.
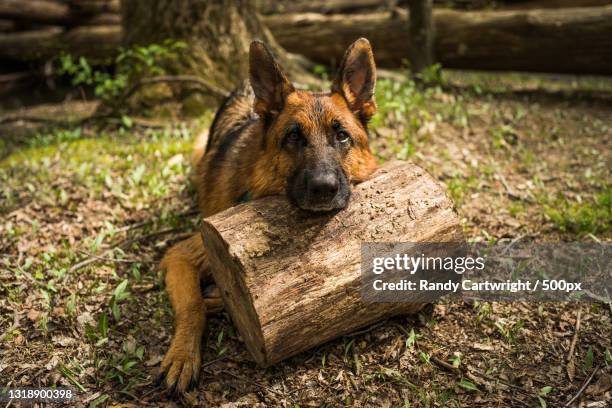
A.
x: 577, y: 40
x: 291, y: 280
x: 421, y: 35
x: 217, y: 34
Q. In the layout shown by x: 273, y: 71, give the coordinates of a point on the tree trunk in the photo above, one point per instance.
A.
x: 577, y: 40
x: 421, y: 35
x: 291, y: 280
x: 217, y: 34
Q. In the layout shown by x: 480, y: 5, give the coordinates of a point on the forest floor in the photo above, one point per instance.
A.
x: 85, y: 215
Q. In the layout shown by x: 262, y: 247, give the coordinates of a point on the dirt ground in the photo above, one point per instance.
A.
x: 86, y: 213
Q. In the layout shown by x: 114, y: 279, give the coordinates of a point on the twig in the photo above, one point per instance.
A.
x: 513, y: 242
x: 207, y: 86
x: 366, y: 330
x: 213, y: 361
x: 445, y: 365
x: 509, y: 192
x: 570, y: 354
x: 147, y: 236
x: 583, y: 387
x: 249, y: 381
x: 116, y: 260
x: 139, y: 224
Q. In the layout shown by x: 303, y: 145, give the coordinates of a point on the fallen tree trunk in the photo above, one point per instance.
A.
x: 97, y: 42
x: 577, y: 40
x: 44, y: 11
x: 291, y: 280
x: 363, y: 6
x: 104, y: 19
x: 7, y: 25
x: 96, y: 6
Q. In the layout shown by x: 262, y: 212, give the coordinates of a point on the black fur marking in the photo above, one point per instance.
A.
x: 211, y: 132
x: 242, y: 91
x: 229, y: 139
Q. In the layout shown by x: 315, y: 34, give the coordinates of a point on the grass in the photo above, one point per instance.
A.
x: 584, y: 216
x: 121, y: 195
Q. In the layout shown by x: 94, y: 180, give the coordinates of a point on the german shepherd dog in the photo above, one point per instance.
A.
x: 269, y: 139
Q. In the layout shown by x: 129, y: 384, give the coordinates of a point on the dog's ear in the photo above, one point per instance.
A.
x: 356, y: 79
x: 270, y: 85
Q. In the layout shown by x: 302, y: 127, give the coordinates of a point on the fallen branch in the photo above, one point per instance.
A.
x: 570, y: 354
x: 573, y: 40
x: 51, y: 121
x: 44, y: 11
x: 583, y: 387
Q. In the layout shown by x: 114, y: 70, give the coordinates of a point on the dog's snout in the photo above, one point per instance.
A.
x: 324, y: 185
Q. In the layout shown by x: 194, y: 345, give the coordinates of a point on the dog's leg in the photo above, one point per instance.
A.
x: 186, y: 267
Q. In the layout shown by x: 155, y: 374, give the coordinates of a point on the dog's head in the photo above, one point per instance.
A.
x: 317, y: 141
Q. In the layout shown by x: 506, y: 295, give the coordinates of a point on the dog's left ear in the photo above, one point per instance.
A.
x: 356, y: 79
x: 270, y: 85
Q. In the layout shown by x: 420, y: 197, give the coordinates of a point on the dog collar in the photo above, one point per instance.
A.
x: 245, y: 198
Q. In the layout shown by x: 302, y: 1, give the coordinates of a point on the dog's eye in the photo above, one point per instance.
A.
x: 293, y: 137
x: 342, y: 136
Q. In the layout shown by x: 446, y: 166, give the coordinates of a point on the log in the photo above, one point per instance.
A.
x: 291, y: 280
x: 577, y: 40
x: 95, y: 6
x: 104, y: 19
x: 44, y: 11
x: 30, y: 45
x: 362, y: 6
x: 96, y: 42
x: 7, y: 25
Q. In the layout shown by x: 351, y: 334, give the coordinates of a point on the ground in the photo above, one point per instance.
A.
x: 87, y: 213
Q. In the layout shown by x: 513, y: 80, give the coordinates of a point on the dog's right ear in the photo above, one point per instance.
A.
x: 270, y: 85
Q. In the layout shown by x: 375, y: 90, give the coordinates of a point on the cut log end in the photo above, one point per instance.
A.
x: 291, y: 280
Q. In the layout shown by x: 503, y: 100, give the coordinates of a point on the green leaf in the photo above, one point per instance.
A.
x: 545, y: 390
x: 97, y: 242
x: 424, y: 357
x: 411, y: 339
x: 27, y: 263
x: 103, y: 325
x: 542, y: 402
x: 467, y: 384
x: 120, y: 292
x: 126, y: 121
x: 95, y: 403
x: 219, y: 338
x: 116, y: 311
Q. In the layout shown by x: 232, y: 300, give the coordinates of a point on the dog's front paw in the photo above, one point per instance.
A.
x: 180, y: 367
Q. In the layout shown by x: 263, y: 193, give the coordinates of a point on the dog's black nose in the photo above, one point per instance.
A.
x: 324, y: 186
